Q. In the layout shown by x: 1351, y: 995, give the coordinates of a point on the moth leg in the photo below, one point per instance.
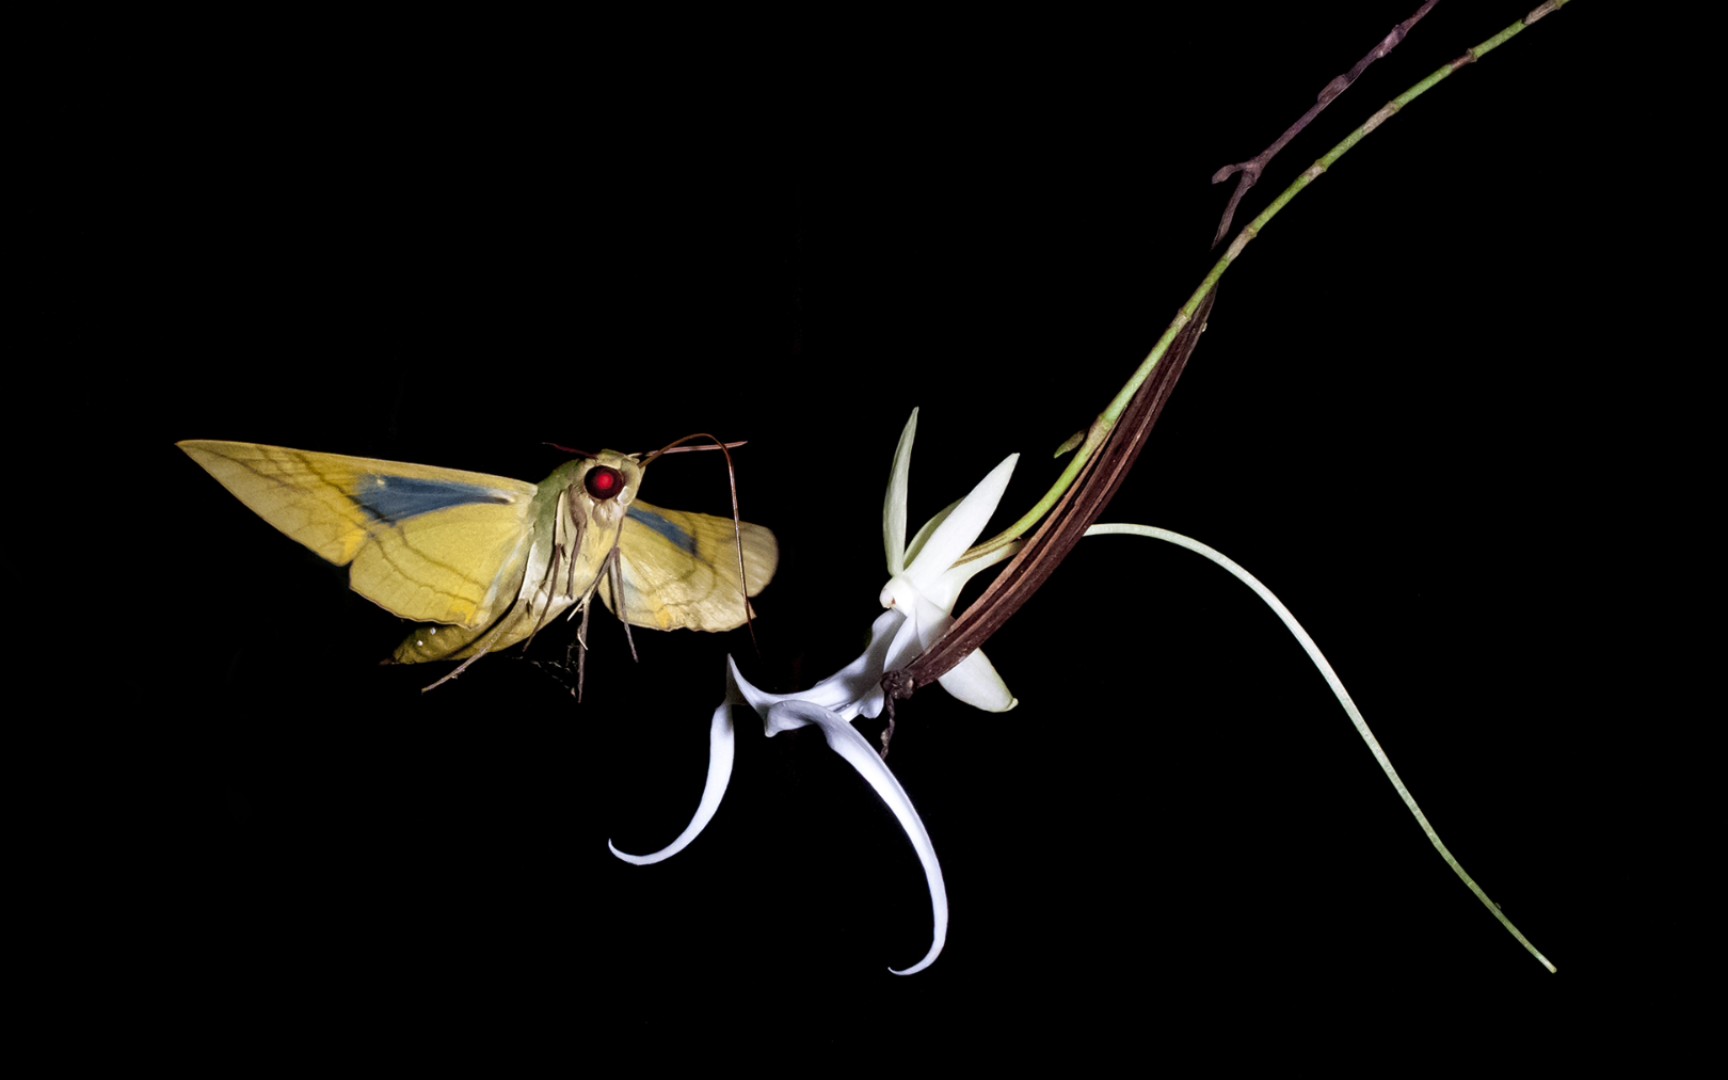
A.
x: 480, y: 650
x: 615, y: 567
x: 581, y: 649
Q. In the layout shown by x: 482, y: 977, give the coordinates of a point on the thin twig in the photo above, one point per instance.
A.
x: 1248, y: 172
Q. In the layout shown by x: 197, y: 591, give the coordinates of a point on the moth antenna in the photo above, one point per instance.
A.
x: 678, y: 446
x: 713, y: 443
x: 571, y: 450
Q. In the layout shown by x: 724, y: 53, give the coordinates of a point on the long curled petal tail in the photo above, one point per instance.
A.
x: 721, y: 742
x: 857, y: 752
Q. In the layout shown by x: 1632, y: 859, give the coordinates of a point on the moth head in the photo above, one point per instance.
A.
x: 611, y: 481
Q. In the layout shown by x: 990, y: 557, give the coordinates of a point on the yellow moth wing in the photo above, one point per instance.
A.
x: 680, y: 570
x: 460, y: 566
x: 429, y: 544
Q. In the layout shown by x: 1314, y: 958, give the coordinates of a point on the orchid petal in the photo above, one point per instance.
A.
x: 857, y: 752
x: 848, y: 691
x: 946, y: 589
x: 974, y: 681
x: 898, y: 639
x: 923, y: 535
x: 720, y: 754
x: 961, y: 528
x: 894, y: 506
x: 931, y: 620
x: 906, y: 645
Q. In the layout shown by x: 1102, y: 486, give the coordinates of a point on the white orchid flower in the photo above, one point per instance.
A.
x: 925, y: 588
x: 924, y: 584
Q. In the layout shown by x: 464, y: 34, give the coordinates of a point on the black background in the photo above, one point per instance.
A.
x: 1424, y: 414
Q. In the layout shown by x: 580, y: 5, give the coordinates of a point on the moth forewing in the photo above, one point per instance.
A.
x: 424, y: 543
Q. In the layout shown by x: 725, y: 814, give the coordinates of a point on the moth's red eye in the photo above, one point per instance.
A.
x: 603, y: 482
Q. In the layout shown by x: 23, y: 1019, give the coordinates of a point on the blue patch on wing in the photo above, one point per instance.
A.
x: 397, y: 498
x: 678, y: 536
